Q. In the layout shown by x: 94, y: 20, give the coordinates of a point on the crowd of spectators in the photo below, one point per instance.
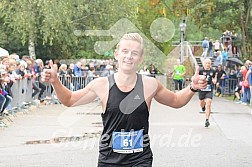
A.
x: 14, y: 69
x: 75, y: 75
x: 231, y: 72
x: 235, y: 80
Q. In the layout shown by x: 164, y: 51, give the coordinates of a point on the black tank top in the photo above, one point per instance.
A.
x: 125, y: 111
x: 210, y: 74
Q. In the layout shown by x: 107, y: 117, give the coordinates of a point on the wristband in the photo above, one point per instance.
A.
x: 191, y: 88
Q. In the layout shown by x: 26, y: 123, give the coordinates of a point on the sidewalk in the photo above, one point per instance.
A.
x: 47, y: 137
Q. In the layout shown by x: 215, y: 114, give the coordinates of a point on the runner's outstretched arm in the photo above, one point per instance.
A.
x: 181, y: 98
x: 67, y: 97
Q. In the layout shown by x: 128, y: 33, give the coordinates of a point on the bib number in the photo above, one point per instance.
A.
x: 178, y: 72
x: 127, y: 142
x: 207, y: 89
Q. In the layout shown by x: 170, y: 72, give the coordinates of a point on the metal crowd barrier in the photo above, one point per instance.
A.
x: 22, y: 93
x: 72, y: 83
x: 171, y: 84
x: 229, y: 85
x: 75, y: 83
x: 22, y: 89
x: 162, y: 79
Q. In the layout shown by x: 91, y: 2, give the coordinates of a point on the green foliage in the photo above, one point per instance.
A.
x: 148, y: 11
x: 83, y: 54
x: 212, y: 16
x: 52, y: 23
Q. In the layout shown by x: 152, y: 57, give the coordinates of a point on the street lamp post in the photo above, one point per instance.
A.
x: 182, y: 27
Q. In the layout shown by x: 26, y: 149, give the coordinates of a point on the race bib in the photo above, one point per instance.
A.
x: 127, y: 142
x: 207, y: 89
x: 177, y: 72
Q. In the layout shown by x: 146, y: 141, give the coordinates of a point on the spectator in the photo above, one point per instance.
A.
x: 91, y: 74
x: 178, y: 75
x: 246, y: 88
x: 77, y: 69
x: 153, y: 70
x: 218, y: 60
x: 6, y: 62
x: 5, y: 91
x: 32, y: 76
x: 38, y: 67
x: 84, y: 67
x: 237, y: 91
x: 77, y: 75
x: 205, y: 46
x: 12, y: 73
x: 216, y: 45
x: 57, y: 62
x: 70, y: 70
x: 144, y: 71
x: 63, y: 70
x: 210, y: 49
x: 63, y: 74
x: 248, y: 78
x: 22, y: 69
x: 2, y: 102
x: 107, y: 71
x: 70, y: 74
x: 220, y: 80
x: 224, y: 57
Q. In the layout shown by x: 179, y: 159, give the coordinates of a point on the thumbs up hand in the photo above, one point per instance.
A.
x: 49, y: 74
x: 198, y: 81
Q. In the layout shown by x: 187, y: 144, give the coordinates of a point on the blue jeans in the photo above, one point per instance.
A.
x: 246, y: 95
x: 224, y: 62
x: 2, y: 102
x: 251, y: 96
x: 178, y: 84
x: 204, y: 54
x: 210, y: 52
x: 8, y: 100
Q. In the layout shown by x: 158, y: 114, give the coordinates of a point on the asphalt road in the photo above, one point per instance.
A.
x: 57, y: 136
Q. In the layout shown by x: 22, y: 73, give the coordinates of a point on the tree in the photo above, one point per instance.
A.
x: 232, y: 15
x: 50, y: 24
x: 149, y: 12
x: 37, y: 20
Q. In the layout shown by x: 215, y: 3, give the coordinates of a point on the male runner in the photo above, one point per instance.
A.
x: 126, y: 99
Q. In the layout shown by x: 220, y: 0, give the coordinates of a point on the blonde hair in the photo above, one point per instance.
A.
x: 243, y: 68
x: 63, y: 67
x: 38, y: 61
x: 131, y: 36
x: 248, y: 62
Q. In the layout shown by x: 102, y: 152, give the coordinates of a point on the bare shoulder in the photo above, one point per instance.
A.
x: 148, y: 79
x: 101, y: 88
x: 98, y: 83
x: 100, y: 80
x: 151, y: 85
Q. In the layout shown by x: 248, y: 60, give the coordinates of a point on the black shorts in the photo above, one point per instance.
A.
x: 238, y: 88
x: 146, y: 163
x: 205, y: 95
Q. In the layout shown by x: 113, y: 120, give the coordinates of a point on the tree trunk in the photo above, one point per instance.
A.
x: 243, y: 31
x: 245, y: 12
x: 31, y: 47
